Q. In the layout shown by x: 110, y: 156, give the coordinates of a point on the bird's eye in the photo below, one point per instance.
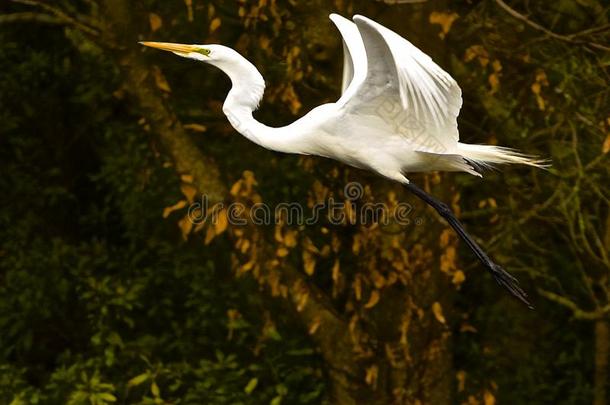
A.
x: 204, y: 51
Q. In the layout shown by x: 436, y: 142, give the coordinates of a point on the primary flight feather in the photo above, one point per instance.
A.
x: 397, y: 114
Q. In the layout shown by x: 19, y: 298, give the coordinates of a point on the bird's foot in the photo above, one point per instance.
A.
x: 509, y: 282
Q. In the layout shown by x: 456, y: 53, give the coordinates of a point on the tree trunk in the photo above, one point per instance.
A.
x: 427, y: 376
x: 602, y: 350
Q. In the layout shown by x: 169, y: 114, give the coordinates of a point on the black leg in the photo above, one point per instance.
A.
x: 500, y: 275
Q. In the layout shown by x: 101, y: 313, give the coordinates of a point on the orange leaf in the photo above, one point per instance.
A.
x: 358, y: 287
x: 445, y: 20
x: 478, y: 52
x: 461, y: 377
x: 168, y: 210
x: 458, y: 277
x: 371, y: 375
x: 302, y: 301
x: 290, y: 239
x: 235, y: 188
x: 160, y: 80
x: 195, y: 127
x: 314, y: 326
x: 188, y: 191
x: 309, y: 262
x: 186, y: 226
x: 488, y: 398
x: 209, y: 235
x: 155, y: 22
x: 189, y: 9
x: 215, y: 24
x: 221, y: 222
x: 437, y: 310
x: 466, y: 327
x: 606, y: 145
x: 373, y: 299
x: 187, y: 178
x: 494, y: 82
x: 335, y: 271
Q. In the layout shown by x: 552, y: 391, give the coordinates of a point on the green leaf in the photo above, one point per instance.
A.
x: 137, y: 380
x: 108, y: 397
x: 115, y: 339
x: 251, y: 386
x: 154, y: 388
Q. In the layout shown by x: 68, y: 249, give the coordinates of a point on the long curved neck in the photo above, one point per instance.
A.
x: 244, y: 97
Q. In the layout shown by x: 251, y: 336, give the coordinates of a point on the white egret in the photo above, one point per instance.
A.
x: 397, y: 114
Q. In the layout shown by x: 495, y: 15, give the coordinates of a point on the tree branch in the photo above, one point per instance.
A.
x: 577, y: 312
x: 570, y: 38
x: 60, y: 15
x: 30, y: 17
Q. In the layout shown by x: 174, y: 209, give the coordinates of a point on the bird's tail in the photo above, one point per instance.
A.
x: 488, y: 155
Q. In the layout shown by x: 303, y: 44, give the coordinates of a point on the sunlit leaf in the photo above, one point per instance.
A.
x: 488, y: 398
x: 189, y: 192
x: 309, y: 262
x: 290, y: 239
x: 106, y: 396
x: 445, y: 20
x: 154, y: 389
x: 137, y: 380
x: 458, y: 277
x: 185, y: 225
x: 186, y: 178
x: 314, y: 326
x: 189, y: 9
x: 494, y: 82
x: 371, y: 375
x: 179, y: 205
x: 461, y: 377
x: 373, y: 299
x: 195, y: 127
x: 160, y: 80
x: 155, y: 21
x: 251, y: 385
x: 477, y: 52
x: 606, y: 145
x: 437, y: 310
x: 335, y: 270
x: 215, y: 24
x: 222, y: 221
x: 210, y: 234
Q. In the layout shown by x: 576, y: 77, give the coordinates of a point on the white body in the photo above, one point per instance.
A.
x: 397, y: 114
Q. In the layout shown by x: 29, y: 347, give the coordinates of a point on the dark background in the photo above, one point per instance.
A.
x: 108, y: 295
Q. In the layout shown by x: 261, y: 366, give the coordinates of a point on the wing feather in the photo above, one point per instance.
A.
x: 354, y: 55
x: 399, y: 73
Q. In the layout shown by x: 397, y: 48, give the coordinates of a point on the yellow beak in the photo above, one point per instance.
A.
x: 166, y: 46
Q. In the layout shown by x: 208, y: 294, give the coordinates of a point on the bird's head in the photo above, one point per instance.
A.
x: 202, y: 53
x: 248, y: 84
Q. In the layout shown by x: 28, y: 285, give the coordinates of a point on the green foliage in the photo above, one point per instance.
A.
x: 103, y: 302
x: 100, y: 301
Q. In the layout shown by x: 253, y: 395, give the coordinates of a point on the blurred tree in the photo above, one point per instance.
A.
x: 121, y: 305
x: 559, y: 84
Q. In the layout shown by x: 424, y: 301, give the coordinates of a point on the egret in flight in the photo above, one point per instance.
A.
x: 397, y: 114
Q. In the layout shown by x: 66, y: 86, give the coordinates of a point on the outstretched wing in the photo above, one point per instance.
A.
x: 354, y: 55
x: 407, y: 90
